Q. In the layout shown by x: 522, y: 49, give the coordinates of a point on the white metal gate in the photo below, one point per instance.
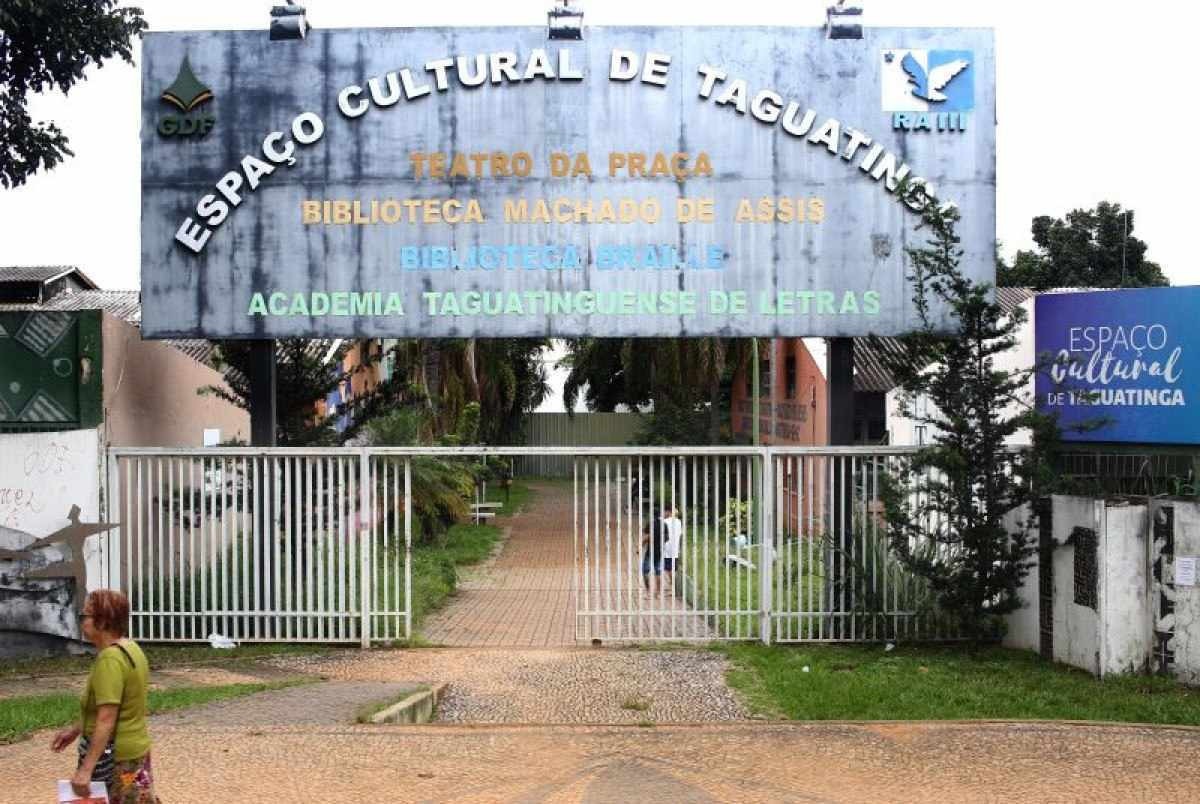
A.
x: 773, y: 544
x: 283, y: 545
x: 706, y: 584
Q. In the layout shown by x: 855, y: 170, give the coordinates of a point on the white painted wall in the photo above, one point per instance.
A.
x: 41, y: 476
x: 1076, y: 628
x: 1125, y: 589
x: 1024, y: 630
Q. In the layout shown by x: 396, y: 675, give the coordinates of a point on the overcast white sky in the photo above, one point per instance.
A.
x: 1095, y: 103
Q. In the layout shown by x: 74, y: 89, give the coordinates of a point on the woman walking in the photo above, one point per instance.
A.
x: 115, y: 745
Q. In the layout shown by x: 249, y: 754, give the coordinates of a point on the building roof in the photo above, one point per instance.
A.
x: 123, y: 304
x: 873, y: 355
x: 42, y: 273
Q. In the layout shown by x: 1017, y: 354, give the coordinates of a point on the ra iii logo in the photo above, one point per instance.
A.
x: 928, y: 90
x: 186, y: 93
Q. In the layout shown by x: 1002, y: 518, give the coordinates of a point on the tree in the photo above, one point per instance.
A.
x: 48, y: 44
x: 1089, y: 248
x: 303, y: 378
x: 948, y: 508
x: 685, y: 382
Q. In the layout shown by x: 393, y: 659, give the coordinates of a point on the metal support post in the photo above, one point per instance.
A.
x: 262, y: 393
x: 840, y: 371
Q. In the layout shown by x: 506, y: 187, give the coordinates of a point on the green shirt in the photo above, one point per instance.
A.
x: 114, y: 681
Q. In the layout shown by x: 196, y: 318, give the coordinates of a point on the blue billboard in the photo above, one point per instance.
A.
x: 1123, y: 363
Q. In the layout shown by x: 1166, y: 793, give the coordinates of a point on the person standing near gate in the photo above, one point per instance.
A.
x: 653, y: 538
x: 674, y: 537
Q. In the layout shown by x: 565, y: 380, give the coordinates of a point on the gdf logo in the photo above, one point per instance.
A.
x: 186, y: 93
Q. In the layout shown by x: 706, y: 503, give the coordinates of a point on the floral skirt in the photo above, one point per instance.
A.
x: 132, y: 782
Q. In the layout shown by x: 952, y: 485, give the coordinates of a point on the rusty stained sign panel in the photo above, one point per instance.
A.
x: 312, y: 188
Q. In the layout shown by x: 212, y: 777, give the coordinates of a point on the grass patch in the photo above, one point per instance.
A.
x: 516, y: 499
x: 20, y: 717
x: 944, y: 683
x: 161, y: 656
x: 635, y: 703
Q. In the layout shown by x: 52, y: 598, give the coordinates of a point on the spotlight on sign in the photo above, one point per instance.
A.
x: 288, y: 22
x: 843, y: 22
x: 564, y: 22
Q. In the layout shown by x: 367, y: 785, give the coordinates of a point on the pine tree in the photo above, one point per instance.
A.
x: 957, y: 511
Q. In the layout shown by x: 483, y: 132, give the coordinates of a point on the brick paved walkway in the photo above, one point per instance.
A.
x: 525, y: 596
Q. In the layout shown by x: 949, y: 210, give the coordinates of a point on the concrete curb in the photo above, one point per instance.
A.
x: 414, y: 709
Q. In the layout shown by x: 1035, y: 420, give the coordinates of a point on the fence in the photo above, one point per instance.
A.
x: 565, y: 430
x: 771, y: 544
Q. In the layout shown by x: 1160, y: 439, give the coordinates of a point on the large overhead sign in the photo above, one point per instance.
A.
x: 1124, y: 363
x: 488, y: 182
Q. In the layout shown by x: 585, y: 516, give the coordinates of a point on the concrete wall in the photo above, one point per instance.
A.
x: 1023, y: 630
x: 1187, y: 598
x: 41, y: 477
x: 1116, y: 636
x: 1125, y: 589
x: 150, y: 397
x: 1076, y: 628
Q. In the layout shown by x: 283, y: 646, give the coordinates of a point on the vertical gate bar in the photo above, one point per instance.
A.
x: 674, y: 616
x: 167, y: 544
x: 721, y: 557
x: 310, y: 504
x: 659, y: 484
x: 291, y: 541
x: 408, y: 612
x: 624, y: 599
x: 190, y: 462
x: 854, y: 536
x: 113, y: 513
x: 766, y: 567
x: 224, y: 551
x: 694, y: 509
x: 587, y: 546
x: 383, y: 624
x: 325, y: 586
x: 271, y: 540
x: 139, y: 502
x: 204, y: 548
x: 337, y: 578
x: 244, y: 549
x: 366, y: 538
x: 598, y: 588
x: 710, y: 534
x: 739, y: 469
x: 637, y: 540
x: 258, y: 626
x: 795, y: 569
x: 154, y: 536
x: 213, y: 546
x: 173, y: 631
x: 285, y: 546
x: 608, y: 591
x: 878, y: 590
x: 591, y: 538
x: 575, y: 558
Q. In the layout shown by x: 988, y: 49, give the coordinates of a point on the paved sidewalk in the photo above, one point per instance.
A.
x: 525, y: 596
x: 919, y: 762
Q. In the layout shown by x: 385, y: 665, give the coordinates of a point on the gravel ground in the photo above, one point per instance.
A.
x: 549, y: 686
